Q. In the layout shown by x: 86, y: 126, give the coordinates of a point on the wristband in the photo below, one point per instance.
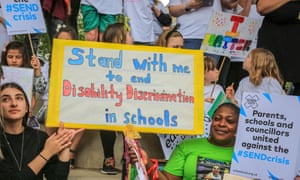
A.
x: 154, y: 169
x: 43, y: 157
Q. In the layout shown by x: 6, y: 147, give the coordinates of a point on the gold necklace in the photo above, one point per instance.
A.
x: 19, y: 164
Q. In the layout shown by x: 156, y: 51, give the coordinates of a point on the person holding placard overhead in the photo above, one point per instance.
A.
x: 26, y: 153
x: 195, y: 158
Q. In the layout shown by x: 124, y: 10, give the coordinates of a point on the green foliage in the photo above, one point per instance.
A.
x: 80, y: 27
x: 44, y: 48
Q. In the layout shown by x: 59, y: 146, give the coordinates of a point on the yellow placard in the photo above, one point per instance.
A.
x: 107, y: 86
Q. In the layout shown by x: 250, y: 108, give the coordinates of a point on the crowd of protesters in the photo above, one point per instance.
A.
x: 268, y: 68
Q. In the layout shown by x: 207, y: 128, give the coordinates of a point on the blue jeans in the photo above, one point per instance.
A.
x: 196, y: 44
x: 192, y: 43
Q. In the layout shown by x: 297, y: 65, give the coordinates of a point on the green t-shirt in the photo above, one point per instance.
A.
x: 188, y: 158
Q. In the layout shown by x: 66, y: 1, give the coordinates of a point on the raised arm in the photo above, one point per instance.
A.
x: 180, y: 9
x: 40, y: 80
x: 230, y: 94
x: 267, y: 6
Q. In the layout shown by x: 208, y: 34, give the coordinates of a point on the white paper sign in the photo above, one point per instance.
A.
x: 267, y: 143
x: 21, y: 76
x: 104, y: 85
x: 230, y: 34
x: 23, y: 17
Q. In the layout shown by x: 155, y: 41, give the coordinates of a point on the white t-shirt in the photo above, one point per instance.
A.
x: 105, y: 6
x: 141, y: 20
x: 268, y: 85
x: 194, y: 24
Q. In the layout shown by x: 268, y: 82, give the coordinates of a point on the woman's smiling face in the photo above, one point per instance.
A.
x: 224, y: 126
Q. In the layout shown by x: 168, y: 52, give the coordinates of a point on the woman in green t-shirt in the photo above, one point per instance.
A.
x: 199, y: 158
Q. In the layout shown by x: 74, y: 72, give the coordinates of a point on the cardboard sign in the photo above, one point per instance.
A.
x: 106, y: 86
x: 21, y: 76
x: 23, y: 17
x: 267, y: 143
x: 230, y: 35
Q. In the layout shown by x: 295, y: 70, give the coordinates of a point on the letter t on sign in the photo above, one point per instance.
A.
x: 236, y: 21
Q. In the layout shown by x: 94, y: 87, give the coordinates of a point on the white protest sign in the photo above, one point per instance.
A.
x: 21, y: 76
x: 230, y: 35
x: 267, y: 142
x: 107, y: 86
x: 23, y: 17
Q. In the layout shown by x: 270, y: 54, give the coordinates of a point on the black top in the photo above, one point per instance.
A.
x: 34, y: 141
x: 279, y: 33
